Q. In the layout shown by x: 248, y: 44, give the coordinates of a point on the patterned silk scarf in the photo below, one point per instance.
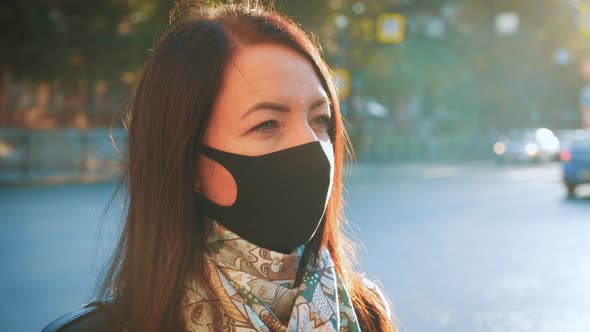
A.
x: 252, y: 289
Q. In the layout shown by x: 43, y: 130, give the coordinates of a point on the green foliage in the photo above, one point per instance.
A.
x: 471, y: 68
x: 97, y: 38
x: 29, y: 36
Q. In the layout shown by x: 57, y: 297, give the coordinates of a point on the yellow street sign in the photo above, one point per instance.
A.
x: 342, y: 80
x: 585, y: 19
x: 391, y: 28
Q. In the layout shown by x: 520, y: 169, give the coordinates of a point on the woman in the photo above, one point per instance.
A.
x: 234, y: 177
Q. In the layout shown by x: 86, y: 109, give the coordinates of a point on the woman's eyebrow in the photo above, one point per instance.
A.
x: 320, y: 102
x: 282, y: 107
x: 267, y: 105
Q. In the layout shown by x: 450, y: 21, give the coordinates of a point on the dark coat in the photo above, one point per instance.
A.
x: 108, y: 316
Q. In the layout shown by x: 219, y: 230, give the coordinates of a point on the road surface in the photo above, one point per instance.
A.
x: 468, y: 247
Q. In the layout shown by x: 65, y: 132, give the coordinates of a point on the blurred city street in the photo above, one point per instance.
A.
x: 470, y: 121
x: 476, y: 248
x: 458, y: 247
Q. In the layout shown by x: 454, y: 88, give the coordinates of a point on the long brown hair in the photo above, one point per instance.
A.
x: 163, y: 237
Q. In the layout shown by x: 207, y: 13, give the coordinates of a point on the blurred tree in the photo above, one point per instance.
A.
x: 523, y: 85
x: 91, y: 42
x: 309, y: 13
x: 79, y: 44
x: 509, y: 77
x: 28, y: 34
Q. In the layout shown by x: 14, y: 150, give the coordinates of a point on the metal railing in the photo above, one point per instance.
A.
x: 75, y: 155
x: 66, y: 154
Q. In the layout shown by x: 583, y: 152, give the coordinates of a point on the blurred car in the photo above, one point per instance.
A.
x: 576, y: 164
x: 568, y: 136
x: 526, y: 145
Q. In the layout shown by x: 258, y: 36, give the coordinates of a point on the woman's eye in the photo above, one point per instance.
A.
x: 323, y: 121
x: 266, y: 126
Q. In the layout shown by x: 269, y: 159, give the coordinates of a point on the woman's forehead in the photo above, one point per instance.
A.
x: 271, y: 71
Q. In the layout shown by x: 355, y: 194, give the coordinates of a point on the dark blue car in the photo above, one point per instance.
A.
x: 576, y: 164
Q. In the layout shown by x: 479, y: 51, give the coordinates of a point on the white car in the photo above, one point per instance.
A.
x: 530, y: 144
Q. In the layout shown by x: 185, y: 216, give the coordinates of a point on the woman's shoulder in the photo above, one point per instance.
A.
x: 378, y: 308
x: 97, y: 316
x: 371, y: 285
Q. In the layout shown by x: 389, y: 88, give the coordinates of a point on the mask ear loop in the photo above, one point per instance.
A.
x: 196, y: 184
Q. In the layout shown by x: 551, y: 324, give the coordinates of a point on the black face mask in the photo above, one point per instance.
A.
x: 282, y: 196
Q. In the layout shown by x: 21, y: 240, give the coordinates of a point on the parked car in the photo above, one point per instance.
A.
x: 568, y: 136
x: 576, y: 164
x: 529, y: 144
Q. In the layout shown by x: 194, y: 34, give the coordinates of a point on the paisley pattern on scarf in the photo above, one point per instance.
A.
x: 253, y: 289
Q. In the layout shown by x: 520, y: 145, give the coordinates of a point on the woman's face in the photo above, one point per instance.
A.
x: 271, y: 100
